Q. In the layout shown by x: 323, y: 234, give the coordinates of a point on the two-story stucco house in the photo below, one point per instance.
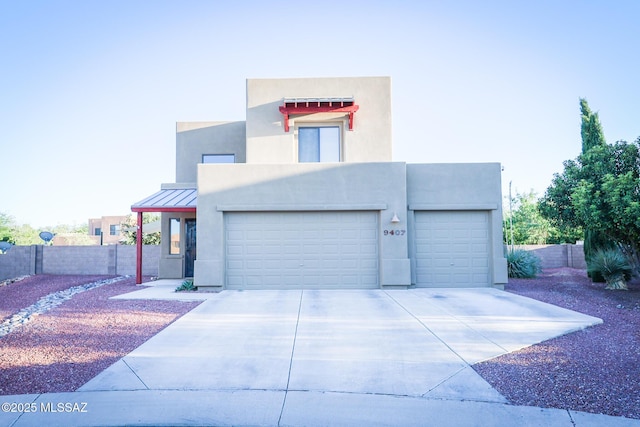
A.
x: 304, y: 194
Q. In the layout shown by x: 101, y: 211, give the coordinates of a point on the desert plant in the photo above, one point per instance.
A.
x: 522, y: 264
x: 613, y: 265
x: 187, y: 285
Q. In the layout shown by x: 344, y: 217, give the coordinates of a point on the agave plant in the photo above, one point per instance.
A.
x: 522, y: 264
x: 613, y: 266
x: 186, y: 285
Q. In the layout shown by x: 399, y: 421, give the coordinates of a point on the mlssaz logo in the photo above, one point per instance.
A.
x: 63, y: 407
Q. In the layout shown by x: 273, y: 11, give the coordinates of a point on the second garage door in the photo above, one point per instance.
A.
x: 452, y: 248
x: 297, y: 250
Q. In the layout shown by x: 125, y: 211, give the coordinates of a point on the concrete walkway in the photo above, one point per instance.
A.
x: 317, y: 358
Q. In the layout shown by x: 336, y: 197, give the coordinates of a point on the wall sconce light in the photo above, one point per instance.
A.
x: 395, y: 219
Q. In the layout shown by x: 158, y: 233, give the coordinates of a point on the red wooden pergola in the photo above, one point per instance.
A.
x: 292, y: 106
x: 166, y: 200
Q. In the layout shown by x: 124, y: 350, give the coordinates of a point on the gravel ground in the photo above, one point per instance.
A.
x: 596, y: 370
x: 62, y: 349
x: 18, y: 295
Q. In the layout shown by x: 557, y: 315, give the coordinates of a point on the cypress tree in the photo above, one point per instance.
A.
x: 592, y: 136
x: 590, y: 128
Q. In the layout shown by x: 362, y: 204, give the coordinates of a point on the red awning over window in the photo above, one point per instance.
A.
x: 292, y: 106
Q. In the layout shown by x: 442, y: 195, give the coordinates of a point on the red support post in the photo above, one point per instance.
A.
x: 139, y: 250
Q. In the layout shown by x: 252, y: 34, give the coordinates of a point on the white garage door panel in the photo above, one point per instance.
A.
x: 301, y: 250
x: 452, y: 248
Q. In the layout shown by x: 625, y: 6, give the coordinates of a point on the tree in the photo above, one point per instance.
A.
x: 557, y: 203
x: 129, y: 230
x: 530, y: 227
x: 599, y: 191
x: 611, y: 203
x: 25, y: 235
x: 6, y: 225
x: 524, y: 222
x: 17, y: 234
x: 592, y: 142
x: 590, y: 128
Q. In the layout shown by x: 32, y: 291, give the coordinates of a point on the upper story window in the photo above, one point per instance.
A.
x: 114, y: 229
x: 218, y: 158
x: 319, y: 144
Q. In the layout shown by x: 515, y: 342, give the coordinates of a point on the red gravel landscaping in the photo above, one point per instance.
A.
x: 596, y: 370
x: 62, y: 349
x: 18, y: 295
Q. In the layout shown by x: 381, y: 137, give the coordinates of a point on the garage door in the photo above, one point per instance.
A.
x: 294, y: 250
x: 452, y: 248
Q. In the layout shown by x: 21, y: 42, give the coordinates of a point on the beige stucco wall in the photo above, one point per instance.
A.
x: 461, y: 186
x: 367, y: 179
x: 376, y: 187
x: 369, y: 141
x: 193, y: 139
x: 388, y: 188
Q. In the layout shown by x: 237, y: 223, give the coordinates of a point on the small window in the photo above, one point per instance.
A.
x: 114, y: 229
x: 218, y: 158
x: 174, y: 231
x: 97, y: 231
x: 319, y: 144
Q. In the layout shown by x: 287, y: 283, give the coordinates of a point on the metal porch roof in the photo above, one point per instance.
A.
x: 336, y: 101
x: 169, y: 200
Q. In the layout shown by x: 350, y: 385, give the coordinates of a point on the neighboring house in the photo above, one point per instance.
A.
x: 106, y: 230
x: 304, y: 194
x: 73, y: 239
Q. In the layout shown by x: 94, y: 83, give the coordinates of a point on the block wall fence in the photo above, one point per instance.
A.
x: 121, y: 259
x: 555, y: 256
x: 112, y: 259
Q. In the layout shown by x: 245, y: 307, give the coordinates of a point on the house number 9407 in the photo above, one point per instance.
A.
x: 394, y: 232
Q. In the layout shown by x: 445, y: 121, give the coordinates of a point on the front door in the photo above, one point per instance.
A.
x: 190, y: 247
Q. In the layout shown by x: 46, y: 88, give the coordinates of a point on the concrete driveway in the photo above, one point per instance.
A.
x: 319, y: 357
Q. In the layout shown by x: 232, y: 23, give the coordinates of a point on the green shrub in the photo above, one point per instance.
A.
x: 187, y: 285
x: 523, y: 264
x: 613, y: 265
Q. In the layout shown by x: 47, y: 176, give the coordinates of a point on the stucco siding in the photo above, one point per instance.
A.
x: 270, y: 175
x: 460, y: 187
x: 369, y: 141
x: 193, y: 139
x: 379, y: 187
x: 455, y: 184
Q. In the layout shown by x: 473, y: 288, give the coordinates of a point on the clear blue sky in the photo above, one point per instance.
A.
x: 90, y: 91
